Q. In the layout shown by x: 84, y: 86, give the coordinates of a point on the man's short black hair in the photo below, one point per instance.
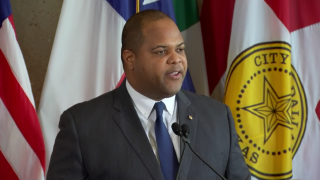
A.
x: 132, y: 35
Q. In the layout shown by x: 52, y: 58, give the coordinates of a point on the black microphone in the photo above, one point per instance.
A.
x: 185, y: 130
x: 177, y: 129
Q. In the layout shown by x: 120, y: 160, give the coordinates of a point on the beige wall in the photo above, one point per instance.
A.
x: 36, y: 22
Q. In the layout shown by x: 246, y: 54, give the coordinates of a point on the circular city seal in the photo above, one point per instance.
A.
x: 269, y: 107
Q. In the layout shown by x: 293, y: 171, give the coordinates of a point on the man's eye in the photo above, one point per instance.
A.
x: 160, y: 52
x: 180, y: 50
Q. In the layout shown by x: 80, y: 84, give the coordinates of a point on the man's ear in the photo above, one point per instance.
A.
x: 128, y: 58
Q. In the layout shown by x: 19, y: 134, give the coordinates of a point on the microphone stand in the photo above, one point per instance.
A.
x: 184, y: 147
x: 205, y: 162
x: 183, y: 132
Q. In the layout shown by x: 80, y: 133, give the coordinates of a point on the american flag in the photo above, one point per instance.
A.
x: 22, y: 152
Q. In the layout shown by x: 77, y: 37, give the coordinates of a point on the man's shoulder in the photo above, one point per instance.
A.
x: 207, y: 105
x: 202, y: 100
x: 93, y: 105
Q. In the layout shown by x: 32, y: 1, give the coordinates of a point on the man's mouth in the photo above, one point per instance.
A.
x: 174, y: 74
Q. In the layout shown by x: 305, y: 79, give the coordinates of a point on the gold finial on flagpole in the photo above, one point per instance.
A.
x: 137, y: 6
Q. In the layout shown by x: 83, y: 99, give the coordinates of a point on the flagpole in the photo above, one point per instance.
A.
x: 137, y: 6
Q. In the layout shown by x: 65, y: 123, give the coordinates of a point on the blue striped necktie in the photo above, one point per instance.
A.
x: 167, y: 156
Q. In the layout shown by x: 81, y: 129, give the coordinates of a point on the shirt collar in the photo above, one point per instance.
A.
x: 145, y: 104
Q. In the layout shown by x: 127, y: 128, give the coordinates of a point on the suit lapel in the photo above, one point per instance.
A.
x: 187, y: 115
x: 129, y: 123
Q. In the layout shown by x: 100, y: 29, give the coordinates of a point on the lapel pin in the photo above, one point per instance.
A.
x: 190, y: 117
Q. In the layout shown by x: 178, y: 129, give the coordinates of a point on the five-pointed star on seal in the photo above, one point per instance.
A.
x: 274, y: 110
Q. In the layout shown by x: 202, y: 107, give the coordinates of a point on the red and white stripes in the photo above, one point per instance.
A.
x: 22, y: 152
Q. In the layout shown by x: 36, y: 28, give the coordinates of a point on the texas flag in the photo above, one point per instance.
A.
x: 264, y: 62
x: 85, y: 59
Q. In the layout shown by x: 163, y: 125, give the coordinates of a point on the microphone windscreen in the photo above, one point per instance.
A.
x: 185, y: 128
x: 176, y: 128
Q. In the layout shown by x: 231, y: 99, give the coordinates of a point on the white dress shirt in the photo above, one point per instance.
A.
x: 147, y: 115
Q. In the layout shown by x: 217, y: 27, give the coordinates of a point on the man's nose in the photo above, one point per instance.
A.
x: 174, y: 58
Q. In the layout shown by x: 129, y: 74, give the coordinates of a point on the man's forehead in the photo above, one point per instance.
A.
x: 162, y: 33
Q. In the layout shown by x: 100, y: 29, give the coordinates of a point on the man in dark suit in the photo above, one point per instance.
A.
x: 126, y: 133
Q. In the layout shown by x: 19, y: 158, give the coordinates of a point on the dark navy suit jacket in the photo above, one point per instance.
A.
x: 103, y: 139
